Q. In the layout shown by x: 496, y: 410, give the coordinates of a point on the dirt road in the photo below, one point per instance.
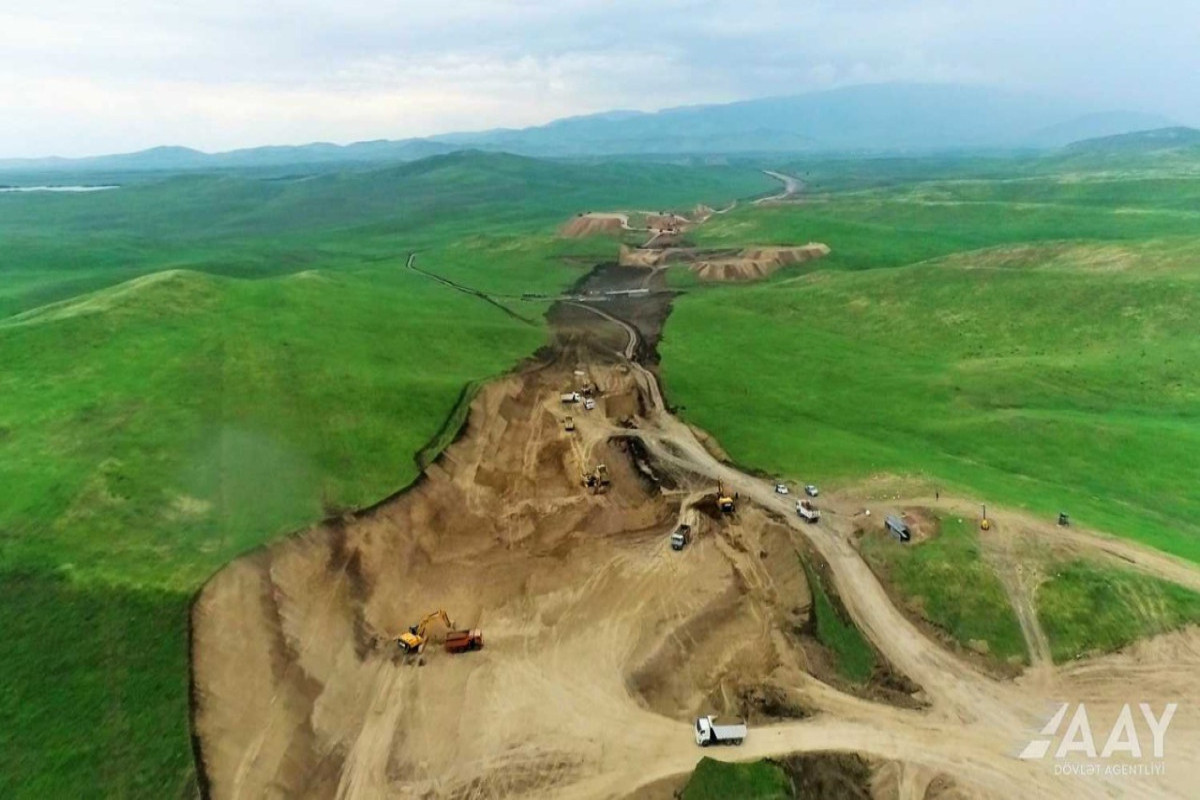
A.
x: 602, y: 643
x: 792, y: 187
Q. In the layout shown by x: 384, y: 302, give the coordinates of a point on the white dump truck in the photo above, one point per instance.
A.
x: 711, y: 730
x: 570, y: 397
x: 807, y: 511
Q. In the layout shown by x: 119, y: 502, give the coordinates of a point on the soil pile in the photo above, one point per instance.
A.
x: 724, y: 265
x: 593, y: 225
x: 756, y: 263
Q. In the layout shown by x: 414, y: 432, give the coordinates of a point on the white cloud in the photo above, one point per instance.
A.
x: 83, y: 76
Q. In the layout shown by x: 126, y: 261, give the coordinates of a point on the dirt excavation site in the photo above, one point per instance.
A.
x: 602, y: 644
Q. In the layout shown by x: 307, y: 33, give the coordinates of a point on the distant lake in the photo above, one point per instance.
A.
x: 56, y: 188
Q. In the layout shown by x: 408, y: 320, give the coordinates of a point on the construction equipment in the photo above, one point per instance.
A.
x: 897, y: 527
x: 807, y: 511
x: 570, y: 397
x: 985, y: 524
x: 1063, y: 519
x: 724, y: 500
x: 711, y: 730
x: 464, y: 641
x: 681, y: 537
x: 413, y: 639
x: 569, y: 424
x: 597, y: 480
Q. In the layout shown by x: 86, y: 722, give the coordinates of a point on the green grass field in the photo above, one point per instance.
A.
x: 196, y: 365
x: 1087, y: 608
x: 719, y: 780
x: 946, y: 580
x: 1048, y: 377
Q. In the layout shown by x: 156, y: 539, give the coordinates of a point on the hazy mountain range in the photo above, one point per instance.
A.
x: 891, y: 118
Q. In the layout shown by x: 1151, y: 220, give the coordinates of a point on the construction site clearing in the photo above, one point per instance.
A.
x: 550, y: 528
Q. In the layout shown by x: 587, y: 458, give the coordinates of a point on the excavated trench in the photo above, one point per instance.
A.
x: 601, y: 643
x: 294, y: 665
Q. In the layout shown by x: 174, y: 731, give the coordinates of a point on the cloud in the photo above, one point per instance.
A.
x: 82, y: 76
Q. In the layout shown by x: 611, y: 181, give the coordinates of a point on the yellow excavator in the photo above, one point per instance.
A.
x: 413, y: 639
x: 724, y: 499
x: 597, y: 480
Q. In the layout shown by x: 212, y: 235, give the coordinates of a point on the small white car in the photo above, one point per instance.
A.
x: 589, y: 404
x: 781, y: 488
x: 811, y: 490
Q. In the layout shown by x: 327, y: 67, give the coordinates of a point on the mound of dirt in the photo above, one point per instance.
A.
x: 723, y: 265
x: 756, y: 263
x: 593, y: 225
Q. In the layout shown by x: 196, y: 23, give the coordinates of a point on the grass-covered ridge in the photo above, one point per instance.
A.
x: 1087, y: 608
x: 720, y: 780
x: 946, y: 580
x: 1046, y: 377
x: 854, y: 658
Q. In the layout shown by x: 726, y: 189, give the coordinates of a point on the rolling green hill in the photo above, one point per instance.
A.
x: 1032, y: 342
x: 196, y: 365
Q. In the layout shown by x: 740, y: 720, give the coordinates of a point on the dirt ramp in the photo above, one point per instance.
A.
x: 756, y: 263
x: 723, y: 265
x: 594, y: 225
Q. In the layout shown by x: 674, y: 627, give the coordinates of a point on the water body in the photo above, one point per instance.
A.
x: 56, y: 188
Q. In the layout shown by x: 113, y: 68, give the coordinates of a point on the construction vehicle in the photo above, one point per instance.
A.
x: 570, y: 397
x: 682, y: 537
x: 464, y: 641
x: 712, y: 730
x: 781, y: 488
x: 589, y: 404
x: 413, y: 639
x: 569, y: 424
x: 597, y: 480
x: 811, y: 490
x: 897, y: 528
x: 985, y: 524
x: 724, y: 500
x: 1063, y: 519
x: 807, y: 510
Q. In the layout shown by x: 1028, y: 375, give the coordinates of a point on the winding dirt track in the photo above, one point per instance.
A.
x: 599, y: 639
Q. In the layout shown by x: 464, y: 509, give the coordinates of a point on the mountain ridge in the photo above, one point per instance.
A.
x: 868, y: 118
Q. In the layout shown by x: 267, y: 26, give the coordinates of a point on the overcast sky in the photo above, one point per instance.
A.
x: 84, y: 77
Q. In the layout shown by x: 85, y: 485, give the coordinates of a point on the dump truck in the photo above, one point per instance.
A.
x: 464, y: 641
x: 897, y: 527
x: 807, y: 510
x: 682, y: 537
x: 711, y: 730
x: 570, y: 397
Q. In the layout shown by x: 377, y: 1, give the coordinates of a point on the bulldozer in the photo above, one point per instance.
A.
x: 597, y: 480
x: 413, y: 640
x: 724, y: 499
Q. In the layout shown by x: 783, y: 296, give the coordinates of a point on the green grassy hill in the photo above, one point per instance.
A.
x: 1034, y: 343
x: 195, y: 366
x: 60, y: 245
